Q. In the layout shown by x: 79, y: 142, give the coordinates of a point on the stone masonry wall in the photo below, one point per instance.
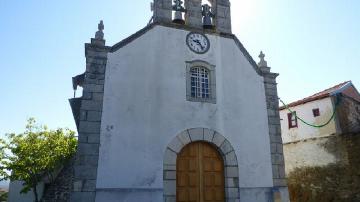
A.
x: 348, y: 115
x: 272, y: 102
x: 86, y: 163
x: 338, y: 181
x: 60, y: 189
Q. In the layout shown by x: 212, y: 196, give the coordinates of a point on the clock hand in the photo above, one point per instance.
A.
x: 198, y: 42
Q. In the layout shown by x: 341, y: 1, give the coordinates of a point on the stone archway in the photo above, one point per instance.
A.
x: 231, y: 169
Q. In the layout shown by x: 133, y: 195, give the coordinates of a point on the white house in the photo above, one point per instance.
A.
x: 336, y: 108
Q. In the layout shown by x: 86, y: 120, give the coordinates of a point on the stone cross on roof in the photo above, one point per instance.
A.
x: 262, y: 62
x: 100, y: 34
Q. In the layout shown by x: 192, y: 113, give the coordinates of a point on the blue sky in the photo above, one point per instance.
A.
x: 312, y: 44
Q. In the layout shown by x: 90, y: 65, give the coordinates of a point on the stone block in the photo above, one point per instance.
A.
x: 89, y: 127
x: 232, y: 200
x: 89, y: 185
x: 218, y: 139
x: 277, y: 159
x: 96, y: 61
x: 86, y: 95
x: 97, y: 96
x: 170, y: 167
x: 96, y: 69
x: 170, y: 199
x: 83, y: 138
x: 170, y: 157
x: 223, y: 12
x: 77, y: 185
x: 91, y: 105
x: 208, y: 135
x: 275, y: 139
x: 231, y: 182
x: 232, y: 192
x: 273, y: 148
x: 170, y: 187
x: 94, y: 138
x: 196, y: 134
x: 280, y: 182
x: 281, y: 171
x: 226, y: 147
x: 170, y: 175
x: 95, y: 88
x: 86, y: 171
x: 82, y: 197
x: 94, y: 116
x: 176, y: 145
x: 275, y: 171
x: 184, y: 137
x: 279, y: 149
x: 88, y: 149
x: 96, y: 54
x: 232, y: 172
x: 230, y: 159
x: 91, y: 160
x: 274, y: 120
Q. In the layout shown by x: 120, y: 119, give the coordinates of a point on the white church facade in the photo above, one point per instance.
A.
x: 179, y: 111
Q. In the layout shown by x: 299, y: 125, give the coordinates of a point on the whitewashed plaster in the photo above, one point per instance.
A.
x: 305, y: 111
x: 145, y: 107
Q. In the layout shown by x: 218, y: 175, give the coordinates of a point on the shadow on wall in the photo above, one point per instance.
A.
x: 335, y: 182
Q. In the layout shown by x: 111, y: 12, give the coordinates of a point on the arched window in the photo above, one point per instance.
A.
x: 201, y: 82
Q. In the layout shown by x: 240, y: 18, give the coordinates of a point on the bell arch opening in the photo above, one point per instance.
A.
x: 207, y: 137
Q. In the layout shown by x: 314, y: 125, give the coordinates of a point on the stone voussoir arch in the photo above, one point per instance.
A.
x: 231, y: 168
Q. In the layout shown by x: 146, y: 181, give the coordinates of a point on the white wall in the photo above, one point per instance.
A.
x: 14, y: 192
x: 145, y: 107
x: 305, y: 112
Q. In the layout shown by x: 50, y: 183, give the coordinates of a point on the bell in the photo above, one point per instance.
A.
x: 178, y: 18
x: 208, y: 15
x: 179, y: 9
x: 207, y: 22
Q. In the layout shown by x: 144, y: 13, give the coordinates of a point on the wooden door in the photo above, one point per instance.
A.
x: 200, y: 174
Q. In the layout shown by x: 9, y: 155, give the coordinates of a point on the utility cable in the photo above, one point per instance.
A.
x: 312, y: 125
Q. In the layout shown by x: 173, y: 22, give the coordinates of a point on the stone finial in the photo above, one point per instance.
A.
x: 100, y: 34
x: 262, y: 62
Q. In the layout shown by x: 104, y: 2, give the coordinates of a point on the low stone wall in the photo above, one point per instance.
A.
x: 339, y: 181
x: 60, y: 189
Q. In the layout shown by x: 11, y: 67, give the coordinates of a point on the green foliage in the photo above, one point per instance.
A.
x: 35, y: 154
x: 335, y: 182
x: 3, y: 196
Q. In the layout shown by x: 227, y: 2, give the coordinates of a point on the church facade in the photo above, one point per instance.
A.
x: 179, y: 111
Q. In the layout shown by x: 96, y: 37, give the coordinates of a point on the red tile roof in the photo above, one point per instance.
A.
x: 320, y: 95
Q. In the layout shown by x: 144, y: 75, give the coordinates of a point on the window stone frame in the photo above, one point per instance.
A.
x: 224, y: 147
x: 212, y: 80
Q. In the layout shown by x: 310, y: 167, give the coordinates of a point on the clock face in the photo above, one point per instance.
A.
x: 198, y: 43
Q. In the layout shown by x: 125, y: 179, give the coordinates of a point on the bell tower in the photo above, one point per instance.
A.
x: 197, y: 13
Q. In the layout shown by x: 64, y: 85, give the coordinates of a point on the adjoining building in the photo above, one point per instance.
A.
x: 332, y: 113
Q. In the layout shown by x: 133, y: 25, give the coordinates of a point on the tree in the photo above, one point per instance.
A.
x: 35, y: 154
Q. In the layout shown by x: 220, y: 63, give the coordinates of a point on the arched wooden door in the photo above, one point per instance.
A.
x: 200, y: 174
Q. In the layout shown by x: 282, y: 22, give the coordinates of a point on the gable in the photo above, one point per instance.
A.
x: 149, y: 27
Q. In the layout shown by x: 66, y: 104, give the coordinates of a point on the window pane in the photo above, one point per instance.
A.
x: 200, y: 82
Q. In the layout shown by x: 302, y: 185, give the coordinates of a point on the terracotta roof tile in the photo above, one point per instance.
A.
x: 319, y: 95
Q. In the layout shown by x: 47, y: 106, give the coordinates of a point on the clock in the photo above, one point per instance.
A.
x: 197, y: 42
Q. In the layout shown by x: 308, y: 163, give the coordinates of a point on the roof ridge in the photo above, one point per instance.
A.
x: 319, y: 95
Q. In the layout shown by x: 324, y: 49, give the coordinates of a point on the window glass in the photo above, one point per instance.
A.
x: 292, y: 120
x: 200, y: 82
